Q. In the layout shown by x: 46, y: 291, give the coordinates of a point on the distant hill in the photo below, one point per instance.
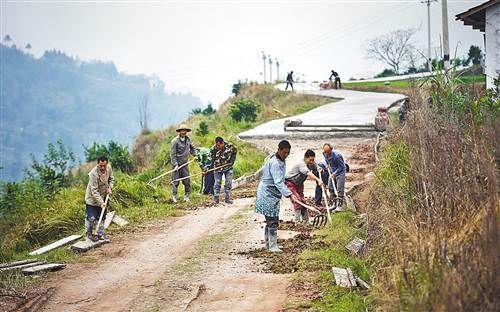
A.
x: 57, y: 96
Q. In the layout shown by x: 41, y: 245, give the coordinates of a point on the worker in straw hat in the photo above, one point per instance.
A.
x: 179, y: 153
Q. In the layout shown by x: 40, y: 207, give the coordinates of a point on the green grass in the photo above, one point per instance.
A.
x: 408, y: 82
x: 334, y: 237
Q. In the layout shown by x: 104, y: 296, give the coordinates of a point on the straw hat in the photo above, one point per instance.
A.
x: 183, y: 127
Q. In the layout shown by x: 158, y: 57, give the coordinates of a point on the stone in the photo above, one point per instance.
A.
x: 344, y: 277
x: 356, y: 245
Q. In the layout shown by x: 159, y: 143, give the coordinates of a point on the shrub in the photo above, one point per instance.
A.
x: 53, y: 170
x: 244, y: 110
x: 209, y: 110
x: 118, y: 155
x: 202, y: 129
x: 236, y: 88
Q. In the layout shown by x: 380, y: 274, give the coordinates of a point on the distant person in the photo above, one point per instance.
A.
x: 337, y: 83
x: 337, y: 170
x: 100, y: 184
x: 223, y: 157
x: 295, y: 179
x: 205, y: 163
x: 269, y: 192
x: 179, y: 153
x: 289, y: 80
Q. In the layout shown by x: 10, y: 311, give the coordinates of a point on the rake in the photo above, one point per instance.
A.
x: 320, y: 219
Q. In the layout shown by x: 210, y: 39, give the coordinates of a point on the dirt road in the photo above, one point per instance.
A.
x: 190, y: 263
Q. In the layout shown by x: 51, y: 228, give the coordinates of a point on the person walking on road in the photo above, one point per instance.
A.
x: 181, y: 148
x: 337, y: 170
x: 100, y: 184
x: 269, y: 192
x: 295, y: 179
x: 289, y: 80
x: 223, y: 157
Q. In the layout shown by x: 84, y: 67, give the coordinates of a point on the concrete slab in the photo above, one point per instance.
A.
x: 22, y: 266
x: 43, y: 268
x: 16, y: 263
x: 109, y: 219
x: 55, y: 245
x: 344, y: 277
x: 84, y: 245
x: 356, y: 245
x: 119, y: 220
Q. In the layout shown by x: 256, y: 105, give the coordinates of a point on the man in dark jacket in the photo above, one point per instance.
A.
x: 336, y: 169
x: 289, y: 80
x: 180, y: 150
x: 223, y: 157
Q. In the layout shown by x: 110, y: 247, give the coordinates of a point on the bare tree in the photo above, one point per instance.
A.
x: 394, y: 48
x: 144, y: 115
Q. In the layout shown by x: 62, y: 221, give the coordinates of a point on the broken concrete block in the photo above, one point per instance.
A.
x: 21, y: 266
x: 109, y: 219
x: 292, y: 123
x: 43, y: 268
x: 119, y: 220
x: 362, y: 283
x: 55, y: 245
x: 350, y: 203
x: 83, y: 246
x: 356, y: 245
x: 344, y: 277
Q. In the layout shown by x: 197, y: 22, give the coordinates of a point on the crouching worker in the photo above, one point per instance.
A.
x: 295, y: 179
x: 100, y: 185
x: 269, y: 192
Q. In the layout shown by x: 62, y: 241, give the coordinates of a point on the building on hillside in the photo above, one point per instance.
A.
x: 486, y: 18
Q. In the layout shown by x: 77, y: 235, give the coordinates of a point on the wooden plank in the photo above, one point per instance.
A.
x: 350, y: 203
x: 356, y: 245
x: 119, y: 220
x: 84, y: 245
x: 22, y: 266
x: 344, y: 277
x: 16, y: 263
x: 43, y: 268
x: 109, y: 219
x: 55, y: 245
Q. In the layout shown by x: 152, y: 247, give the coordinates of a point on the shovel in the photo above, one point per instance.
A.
x: 102, y: 213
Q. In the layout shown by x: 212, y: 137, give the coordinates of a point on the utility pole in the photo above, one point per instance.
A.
x: 277, y: 70
x: 429, y: 59
x: 270, y: 69
x: 446, y: 39
x: 264, y: 61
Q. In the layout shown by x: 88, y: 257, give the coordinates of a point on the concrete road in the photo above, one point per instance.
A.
x: 356, y: 108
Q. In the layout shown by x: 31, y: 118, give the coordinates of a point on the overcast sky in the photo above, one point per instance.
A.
x: 205, y: 46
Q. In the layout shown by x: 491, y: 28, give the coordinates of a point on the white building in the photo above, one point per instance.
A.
x: 486, y: 18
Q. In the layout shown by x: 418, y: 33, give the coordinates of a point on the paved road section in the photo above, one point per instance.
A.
x: 356, y: 108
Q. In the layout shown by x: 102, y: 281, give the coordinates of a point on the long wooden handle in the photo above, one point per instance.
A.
x: 307, y: 206
x: 102, y: 211
x: 197, y: 174
x: 170, y: 171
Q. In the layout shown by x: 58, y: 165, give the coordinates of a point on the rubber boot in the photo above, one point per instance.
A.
x: 216, y: 200
x: 273, y: 240
x: 88, y: 230
x: 174, y: 199
x: 305, y: 215
x: 186, y: 198
x: 298, y: 215
x: 100, y: 231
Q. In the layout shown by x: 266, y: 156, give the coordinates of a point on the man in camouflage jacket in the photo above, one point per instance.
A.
x: 223, y: 157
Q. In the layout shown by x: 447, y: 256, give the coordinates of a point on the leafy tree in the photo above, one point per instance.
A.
x: 196, y: 111
x: 475, y: 55
x: 386, y: 73
x: 244, y: 110
x: 53, y: 170
x: 236, y: 88
x: 209, y: 110
x: 202, y: 129
x: 118, y: 155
